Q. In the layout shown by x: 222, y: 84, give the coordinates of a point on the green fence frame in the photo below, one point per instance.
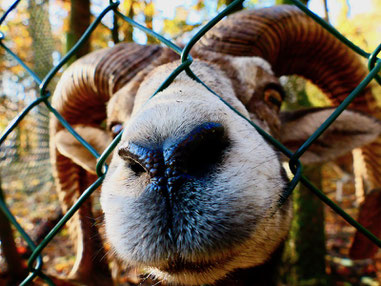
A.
x: 35, y: 261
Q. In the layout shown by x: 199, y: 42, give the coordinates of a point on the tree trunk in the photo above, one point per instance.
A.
x: 326, y: 15
x: 115, y: 29
x: 304, y: 257
x: 79, y: 21
x: 12, y: 258
x: 148, y: 18
x: 237, y: 8
x: 278, y: 2
x: 129, y: 30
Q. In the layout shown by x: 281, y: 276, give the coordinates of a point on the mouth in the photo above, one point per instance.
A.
x: 177, y: 265
x: 181, y: 271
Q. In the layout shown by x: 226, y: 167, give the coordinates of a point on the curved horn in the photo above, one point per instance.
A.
x: 84, y: 89
x: 80, y: 97
x: 90, y: 82
x: 292, y: 43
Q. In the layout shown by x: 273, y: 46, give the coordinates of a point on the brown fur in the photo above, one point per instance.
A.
x: 129, y: 74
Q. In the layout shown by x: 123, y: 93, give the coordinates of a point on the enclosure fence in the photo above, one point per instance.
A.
x: 35, y: 260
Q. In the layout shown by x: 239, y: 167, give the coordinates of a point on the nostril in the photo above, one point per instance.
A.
x: 136, y: 167
x: 200, y: 151
x: 142, y: 159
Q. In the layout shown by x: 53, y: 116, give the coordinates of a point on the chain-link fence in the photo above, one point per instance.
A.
x: 35, y: 261
x: 25, y: 153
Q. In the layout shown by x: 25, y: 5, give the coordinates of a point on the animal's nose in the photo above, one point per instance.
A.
x: 198, y: 152
x: 195, y: 155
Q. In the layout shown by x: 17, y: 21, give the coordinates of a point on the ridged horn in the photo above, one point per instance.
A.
x: 90, y: 82
x: 292, y: 43
x: 80, y: 97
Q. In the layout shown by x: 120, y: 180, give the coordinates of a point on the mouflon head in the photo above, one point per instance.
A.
x: 192, y: 191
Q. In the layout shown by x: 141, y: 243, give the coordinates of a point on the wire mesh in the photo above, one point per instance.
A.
x: 28, y: 158
x: 43, y: 80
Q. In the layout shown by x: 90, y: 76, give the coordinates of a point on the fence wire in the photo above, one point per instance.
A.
x: 35, y: 261
x: 25, y: 153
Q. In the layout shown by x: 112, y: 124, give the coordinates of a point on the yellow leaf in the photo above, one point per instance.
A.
x: 181, y: 14
x: 149, y: 9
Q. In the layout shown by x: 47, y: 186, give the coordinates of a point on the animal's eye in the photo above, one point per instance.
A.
x: 273, y: 97
x: 115, y: 128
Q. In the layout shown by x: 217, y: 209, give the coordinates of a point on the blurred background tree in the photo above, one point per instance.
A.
x: 307, y: 234
x: 79, y: 20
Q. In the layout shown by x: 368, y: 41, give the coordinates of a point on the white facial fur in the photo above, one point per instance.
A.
x: 222, y: 221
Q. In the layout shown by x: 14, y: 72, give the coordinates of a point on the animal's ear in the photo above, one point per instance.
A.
x: 71, y: 148
x: 350, y: 130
